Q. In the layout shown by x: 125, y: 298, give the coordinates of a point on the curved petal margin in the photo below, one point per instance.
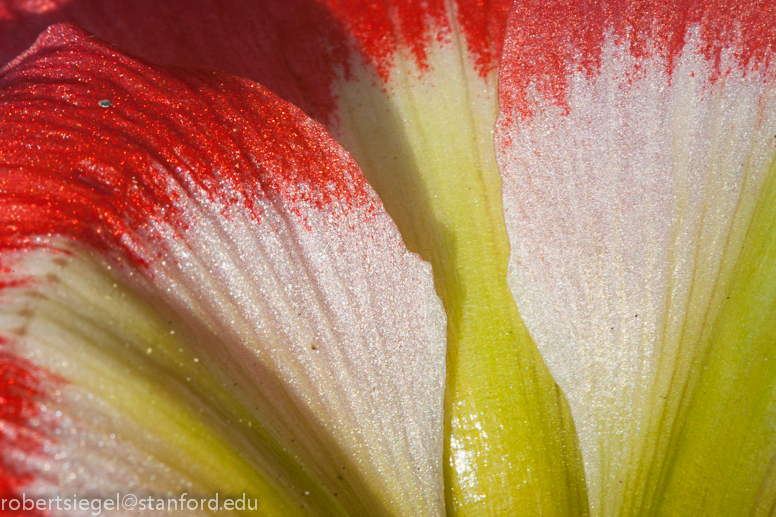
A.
x: 200, y: 262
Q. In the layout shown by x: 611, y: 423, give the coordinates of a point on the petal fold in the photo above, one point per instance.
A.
x: 419, y: 120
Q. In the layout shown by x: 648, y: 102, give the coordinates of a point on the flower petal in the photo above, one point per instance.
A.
x: 240, y: 223
x: 728, y: 440
x: 409, y: 88
x: 634, y: 145
x: 113, y: 418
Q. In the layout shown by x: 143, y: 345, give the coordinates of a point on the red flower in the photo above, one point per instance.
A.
x: 201, y: 293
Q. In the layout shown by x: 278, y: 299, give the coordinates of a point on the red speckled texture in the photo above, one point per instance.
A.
x: 73, y: 168
x: 380, y: 28
x: 546, y: 40
x: 293, y: 47
x: 483, y: 24
x: 21, y: 397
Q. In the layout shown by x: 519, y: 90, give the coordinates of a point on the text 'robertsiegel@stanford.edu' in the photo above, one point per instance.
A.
x: 97, y: 505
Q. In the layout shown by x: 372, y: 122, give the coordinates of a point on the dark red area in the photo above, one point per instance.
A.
x: 546, y: 39
x: 103, y: 175
x: 293, y: 47
x: 21, y: 396
x: 278, y: 43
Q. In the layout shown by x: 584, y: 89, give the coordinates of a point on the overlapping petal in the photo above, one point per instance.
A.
x: 409, y: 89
x: 636, y: 145
x: 422, y: 131
x: 221, y: 295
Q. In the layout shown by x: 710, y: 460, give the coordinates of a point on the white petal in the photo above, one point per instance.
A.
x: 625, y: 215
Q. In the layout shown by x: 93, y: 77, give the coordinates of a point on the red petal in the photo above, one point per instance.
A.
x: 149, y: 128
x: 254, y: 227
x: 635, y: 141
x: 380, y: 28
